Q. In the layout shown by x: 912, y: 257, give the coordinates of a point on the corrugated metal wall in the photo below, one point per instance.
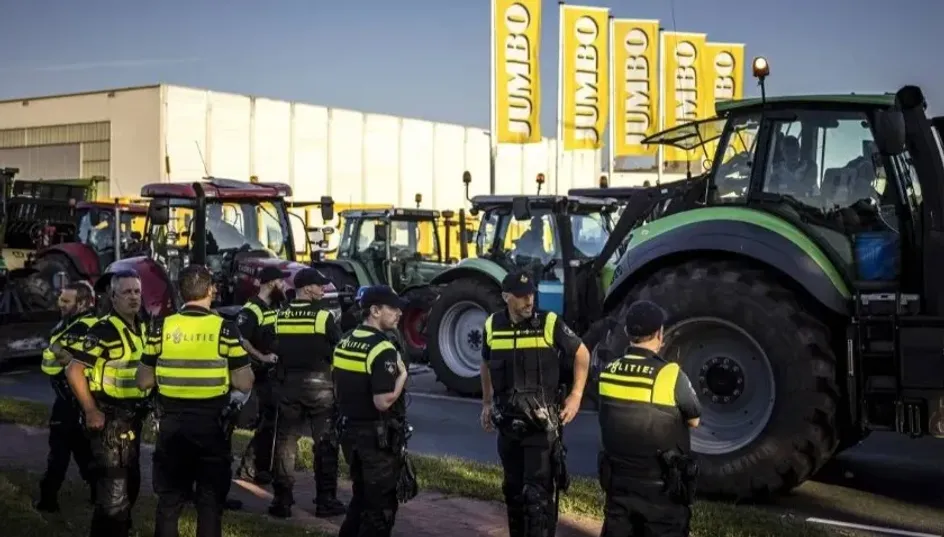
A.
x: 354, y: 157
x: 58, y: 151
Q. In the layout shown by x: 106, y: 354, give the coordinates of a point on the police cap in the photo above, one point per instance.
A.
x: 644, y: 318
x: 520, y: 284
x: 382, y: 295
x: 309, y: 276
x: 270, y: 274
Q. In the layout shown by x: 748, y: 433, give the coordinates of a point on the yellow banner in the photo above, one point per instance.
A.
x: 585, y: 73
x: 686, y: 97
x: 635, y: 83
x: 725, y: 76
x: 516, y: 77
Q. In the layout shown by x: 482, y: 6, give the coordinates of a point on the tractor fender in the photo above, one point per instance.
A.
x: 80, y: 256
x: 158, y: 297
x: 472, y: 267
x: 766, y: 239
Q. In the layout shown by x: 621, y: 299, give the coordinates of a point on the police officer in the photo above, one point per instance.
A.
x: 369, y: 378
x: 307, y: 334
x: 256, y: 322
x: 524, y: 352
x: 66, y: 437
x: 647, y: 406
x: 194, y: 358
x: 101, y: 376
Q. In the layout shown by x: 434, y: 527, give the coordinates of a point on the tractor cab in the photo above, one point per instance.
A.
x: 233, y: 227
x: 398, y: 247
x: 555, y: 238
x: 96, y: 228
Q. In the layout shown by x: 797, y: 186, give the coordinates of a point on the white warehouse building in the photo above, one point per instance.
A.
x: 165, y: 133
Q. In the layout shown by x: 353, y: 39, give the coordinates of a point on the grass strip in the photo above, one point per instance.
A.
x: 21, y: 520
x: 470, y: 479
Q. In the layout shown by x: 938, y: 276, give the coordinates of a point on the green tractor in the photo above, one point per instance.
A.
x: 395, y: 247
x: 799, y: 276
x: 560, y: 245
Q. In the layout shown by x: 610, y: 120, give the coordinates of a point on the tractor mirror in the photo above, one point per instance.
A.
x: 380, y: 232
x: 890, y: 131
x: 327, y: 208
x: 159, y: 212
x: 521, y: 208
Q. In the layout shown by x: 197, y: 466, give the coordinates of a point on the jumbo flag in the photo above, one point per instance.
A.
x: 583, y: 101
x: 635, y: 86
x: 516, y: 78
x: 686, y: 98
x: 725, y: 78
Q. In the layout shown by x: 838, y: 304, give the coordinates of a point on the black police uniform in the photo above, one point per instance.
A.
x: 112, y: 350
x: 307, y: 334
x: 525, y: 362
x: 365, y: 364
x: 66, y: 435
x: 644, y: 406
x: 192, y: 353
x: 256, y: 322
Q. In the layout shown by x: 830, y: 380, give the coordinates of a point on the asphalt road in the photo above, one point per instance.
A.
x: 887, y: 481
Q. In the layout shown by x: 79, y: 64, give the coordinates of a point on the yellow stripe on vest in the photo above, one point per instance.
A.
x: 661, y: 392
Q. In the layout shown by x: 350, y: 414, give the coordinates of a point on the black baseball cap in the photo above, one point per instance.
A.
x: 644, y: 318
x: 270, y: 274
x: 309, y: 276
x: 382, y: 295
x: 520, y: 284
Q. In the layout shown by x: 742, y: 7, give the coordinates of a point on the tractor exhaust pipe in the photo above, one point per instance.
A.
x: 117, y: 230
x: 463, y: 236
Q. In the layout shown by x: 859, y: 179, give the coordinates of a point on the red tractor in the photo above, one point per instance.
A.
x: 86, y: 247
x: 233, y: 227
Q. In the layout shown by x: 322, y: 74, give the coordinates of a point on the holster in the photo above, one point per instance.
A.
x: 407, y: 486
x: 332, y: 434
x: 680, y: 473
x: 118, y: 439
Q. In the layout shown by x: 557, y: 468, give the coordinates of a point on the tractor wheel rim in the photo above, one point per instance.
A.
x: 460, y: 338
x: 413, y: 319
x: 732, y: 376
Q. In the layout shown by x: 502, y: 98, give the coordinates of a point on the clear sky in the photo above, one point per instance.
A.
x: 429, y: 59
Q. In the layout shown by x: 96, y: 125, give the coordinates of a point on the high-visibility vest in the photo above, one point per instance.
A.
x: 191, y: 362
x: 50, y: 364
x: 264, y: 319
x: 115, y: 377
x: 355, y: 355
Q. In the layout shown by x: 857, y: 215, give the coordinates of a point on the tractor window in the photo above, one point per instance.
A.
x: 411, y: 237
x: 272, y: 227
x: 365, y: 235
x: 170, y: 243
x: 590, y: 232
x: 827, y: 162
x: 533, y: 240
x: 733, y: 174
x: 488, y: 231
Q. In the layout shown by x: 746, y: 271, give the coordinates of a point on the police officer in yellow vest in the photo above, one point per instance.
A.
x: 524, y: 352
x: 256, y: 323
x: 647, y: 406
x: 101, y: 376
x: 194, y: 358
x: 66, y: 437
x: 307, y: 334
x: 370, y: 378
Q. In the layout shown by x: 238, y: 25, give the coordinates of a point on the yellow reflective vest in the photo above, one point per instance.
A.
x: 192, y: 352
x: 50, y: 365
x: 116, y: 361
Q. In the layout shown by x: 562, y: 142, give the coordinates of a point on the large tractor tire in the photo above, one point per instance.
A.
x: 37, y: 290
x: 413, y: 323
x: 763, y: 368
x: 455, y: 333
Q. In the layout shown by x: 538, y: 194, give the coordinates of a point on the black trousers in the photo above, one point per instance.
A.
x: 638, y: 507
x: 305, y: 407
x: 257, y: 458
x: 116, y: 453
x: 67, y: 440
x: 528, y: 483
x: 374, y: 473
x: 191, y: 463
